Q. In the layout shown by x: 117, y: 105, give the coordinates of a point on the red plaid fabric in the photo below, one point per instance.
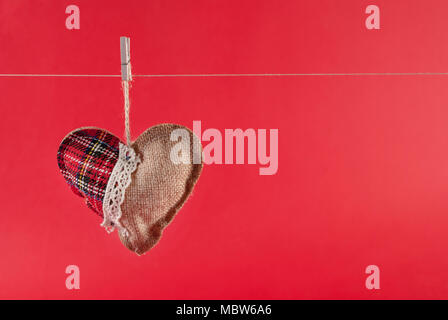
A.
x: 86, y: 158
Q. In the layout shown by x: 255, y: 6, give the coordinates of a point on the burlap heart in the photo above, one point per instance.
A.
x: 158, y: 187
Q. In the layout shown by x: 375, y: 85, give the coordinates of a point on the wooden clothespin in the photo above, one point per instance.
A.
x: 125, y: 50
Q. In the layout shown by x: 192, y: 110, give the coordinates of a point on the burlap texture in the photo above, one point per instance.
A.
x: 158, y: 189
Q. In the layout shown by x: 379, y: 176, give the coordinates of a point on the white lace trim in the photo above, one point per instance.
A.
x: 119, y: 180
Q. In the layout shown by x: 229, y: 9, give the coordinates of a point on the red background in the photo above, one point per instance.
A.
x: 363, y: 161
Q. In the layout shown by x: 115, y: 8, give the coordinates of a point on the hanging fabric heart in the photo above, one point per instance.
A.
x: 136, y: 187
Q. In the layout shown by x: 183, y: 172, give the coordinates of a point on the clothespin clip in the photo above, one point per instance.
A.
x: 125, y: 50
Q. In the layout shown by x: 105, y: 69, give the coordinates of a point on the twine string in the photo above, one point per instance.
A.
x: 206, y: 75
x: 125, y: 85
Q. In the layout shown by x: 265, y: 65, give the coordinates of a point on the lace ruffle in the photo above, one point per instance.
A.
x: 118, y: 182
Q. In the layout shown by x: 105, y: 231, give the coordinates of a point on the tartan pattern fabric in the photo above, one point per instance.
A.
x: 86, y: 158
